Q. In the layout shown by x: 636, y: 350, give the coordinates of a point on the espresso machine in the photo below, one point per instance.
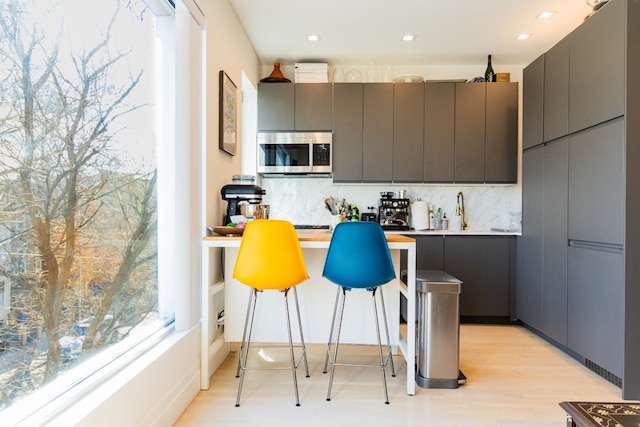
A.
x: 237, y: 194
x: 393, y: 212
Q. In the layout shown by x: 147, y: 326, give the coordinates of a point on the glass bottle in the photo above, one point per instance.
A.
x: 489, y: 74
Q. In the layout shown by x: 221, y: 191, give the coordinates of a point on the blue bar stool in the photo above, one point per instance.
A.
x: 270, y: 258
x: 358, y: 258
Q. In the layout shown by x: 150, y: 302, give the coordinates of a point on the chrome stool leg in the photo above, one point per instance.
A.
x: 244, y: 332
x: 343, y: 292
x: 386, y: 327
x: 302, y: 343
x: 382, y: 363
x: 293, y: 356
x: 244, y: 349
x: 333, y: 322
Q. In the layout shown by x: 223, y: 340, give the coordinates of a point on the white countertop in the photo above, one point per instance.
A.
x: 457, y: 233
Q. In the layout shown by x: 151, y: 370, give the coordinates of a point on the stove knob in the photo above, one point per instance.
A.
x: 395, y: 203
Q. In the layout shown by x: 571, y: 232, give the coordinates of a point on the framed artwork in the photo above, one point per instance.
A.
x: 228, y: 134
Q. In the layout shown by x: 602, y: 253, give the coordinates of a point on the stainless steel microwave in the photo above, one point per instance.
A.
x: 294, y: 152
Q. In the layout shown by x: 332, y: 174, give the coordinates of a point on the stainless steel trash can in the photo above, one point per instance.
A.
x: 438, y: 351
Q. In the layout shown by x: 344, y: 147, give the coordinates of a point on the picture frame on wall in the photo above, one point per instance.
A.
x: 228, y: 109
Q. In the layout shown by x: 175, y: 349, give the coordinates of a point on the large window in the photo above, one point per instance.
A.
x: 81, y: 112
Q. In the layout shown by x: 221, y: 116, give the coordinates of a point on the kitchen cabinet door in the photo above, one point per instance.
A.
x: 596, y: 183
x: 596, y: 306
x: 529, y: 291
x: 555, y: 240
x: 597, y: 72
x: 313, y: 107
x: 408, y: 115
x: 485, y: 266
x: 439, y: 131
x: 276, y: 107
x: 377, y: 133
x: 347, y: 132
x: 556, y: 91
x: 470, y: 132
x: 532, y: 103
x: 501, y: 133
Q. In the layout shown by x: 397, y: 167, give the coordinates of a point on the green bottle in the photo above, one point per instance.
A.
x: 355, y: 213
x: 489, y: 75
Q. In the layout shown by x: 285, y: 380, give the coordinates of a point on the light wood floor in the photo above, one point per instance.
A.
x: 514, y: 378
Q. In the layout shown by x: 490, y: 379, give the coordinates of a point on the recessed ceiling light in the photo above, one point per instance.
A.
x: 523, y: 36
x: 546, y: 15
x: 408, y: 37
x: 313, y: 37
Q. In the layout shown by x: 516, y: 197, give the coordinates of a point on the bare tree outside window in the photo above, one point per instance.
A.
x: 78, y: 238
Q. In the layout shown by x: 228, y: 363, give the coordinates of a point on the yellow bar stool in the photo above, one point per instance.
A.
x: 270, y: 258
x: 358, y: 258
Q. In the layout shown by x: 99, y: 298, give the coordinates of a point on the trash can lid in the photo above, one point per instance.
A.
x: 435, y: 281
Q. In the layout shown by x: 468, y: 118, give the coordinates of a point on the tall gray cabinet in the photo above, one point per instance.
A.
x: 580, y: 282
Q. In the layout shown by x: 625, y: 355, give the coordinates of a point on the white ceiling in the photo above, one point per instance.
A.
x: 449, y: 32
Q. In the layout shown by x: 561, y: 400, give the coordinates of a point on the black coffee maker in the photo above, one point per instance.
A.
x: 235, y: 194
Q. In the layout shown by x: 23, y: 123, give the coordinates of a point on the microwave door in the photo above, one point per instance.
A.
x: 284, y: 158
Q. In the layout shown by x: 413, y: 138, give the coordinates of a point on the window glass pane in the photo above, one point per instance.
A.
x: 80, y: 103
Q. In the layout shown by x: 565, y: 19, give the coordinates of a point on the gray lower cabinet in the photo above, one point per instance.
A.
x: 408, y: 115
x: 347, y: 132
x: 554, y: 241
x: 529, y: 288
x: 439, y: 131
x: 541, y: 295
x: 596, y: 306
x: 486, y: 266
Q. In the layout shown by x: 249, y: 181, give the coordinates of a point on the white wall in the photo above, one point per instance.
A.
x: 228, y: 49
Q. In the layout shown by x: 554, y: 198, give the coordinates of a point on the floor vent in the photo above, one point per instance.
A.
x: 613, y: 379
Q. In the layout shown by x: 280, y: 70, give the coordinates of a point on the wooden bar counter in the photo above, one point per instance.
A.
x: 317, y: 297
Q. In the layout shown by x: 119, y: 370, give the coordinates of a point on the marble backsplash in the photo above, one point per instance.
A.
x: 301, y: 200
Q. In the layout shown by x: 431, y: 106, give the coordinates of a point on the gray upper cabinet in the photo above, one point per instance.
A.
x: 408, y: 146
x: 597, y: 72
x: 439, y: 131
x: 470, y: 132
x: 294, y: 107
x: 486, y: 132
x: 377, y: 133
x: 596, y: 184
x: 556, y: 91
x: 532, y: 103
x: 275, y: 107
x: 313, y: 107
x: 501, y: 133
x: 347, y: 132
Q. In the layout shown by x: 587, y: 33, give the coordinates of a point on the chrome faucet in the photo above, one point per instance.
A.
x: 460, y: 211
